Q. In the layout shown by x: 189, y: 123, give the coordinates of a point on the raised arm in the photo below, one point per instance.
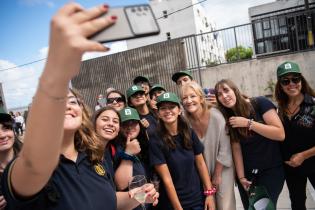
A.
x: 43, y: 139
x: 272, y: 128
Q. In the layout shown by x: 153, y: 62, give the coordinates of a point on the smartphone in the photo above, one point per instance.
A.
x: 132, y: 22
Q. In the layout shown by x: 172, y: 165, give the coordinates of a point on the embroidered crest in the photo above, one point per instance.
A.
x: 127, y: 112
x: 99, y: 169
x: 288, y: 66
x: 166, y: 95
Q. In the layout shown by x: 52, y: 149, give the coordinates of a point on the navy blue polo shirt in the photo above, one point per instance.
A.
x: 152, y: 123
x: 137, y: 166
x: 73, y: 186
x: 300, y: 135
x: 258, y: 151
x: 184, y: 173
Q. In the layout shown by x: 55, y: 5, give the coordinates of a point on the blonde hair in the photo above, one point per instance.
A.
x: 198, y: 90
x: 85, y: 138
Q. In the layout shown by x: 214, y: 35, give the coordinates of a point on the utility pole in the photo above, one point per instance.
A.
x: 310, y: 38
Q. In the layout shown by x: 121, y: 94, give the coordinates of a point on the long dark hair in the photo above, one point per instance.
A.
x: 283, y: 99
x: 183, y: 130
x: 242, y: 108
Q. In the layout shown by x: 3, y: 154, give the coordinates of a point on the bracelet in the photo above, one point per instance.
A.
x: 212, y: 191
x: 250, y: 123
x: 55, y: 98
x: 242, y: 178
x: 125, y: 156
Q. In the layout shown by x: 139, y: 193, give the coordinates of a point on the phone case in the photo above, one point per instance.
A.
x: 133, y: 21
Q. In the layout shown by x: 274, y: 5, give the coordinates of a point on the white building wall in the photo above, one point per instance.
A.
x: 189, y: 21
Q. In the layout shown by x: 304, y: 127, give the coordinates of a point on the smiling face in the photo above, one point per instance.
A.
x: 226, y: 95
x: 107, y: 125
x: 169, y: 112
x: 191, y: 100
x: 6, y: 138
x: 73, y: 114
x: 291, y: 84
x: 130, y: 128
x: 116, y: 101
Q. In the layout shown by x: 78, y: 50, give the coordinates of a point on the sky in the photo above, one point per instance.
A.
x: 25, y: 31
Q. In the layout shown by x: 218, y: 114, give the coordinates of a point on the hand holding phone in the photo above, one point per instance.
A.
x: 132, y: 22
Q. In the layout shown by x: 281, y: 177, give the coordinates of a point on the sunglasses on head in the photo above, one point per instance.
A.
x: 286, y: 81
x: 117, y: 99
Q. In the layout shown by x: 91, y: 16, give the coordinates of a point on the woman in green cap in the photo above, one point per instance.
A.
x: 176, y: 154
x: 296, y: 108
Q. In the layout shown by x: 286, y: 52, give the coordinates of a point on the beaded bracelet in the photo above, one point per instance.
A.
x: 212, y: 191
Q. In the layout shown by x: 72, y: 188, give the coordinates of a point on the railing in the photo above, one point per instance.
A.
x: 272, y: 35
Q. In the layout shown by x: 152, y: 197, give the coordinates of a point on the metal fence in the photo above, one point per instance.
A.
x: 284, y: 33
x: 267, y: 36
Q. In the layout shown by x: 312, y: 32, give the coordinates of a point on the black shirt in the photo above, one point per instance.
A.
x: 300, y: 134
x: 73, y: 186
x: 184, y: 173
x: 258, y: 151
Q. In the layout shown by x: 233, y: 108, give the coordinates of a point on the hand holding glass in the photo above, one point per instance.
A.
x: 136, y: 188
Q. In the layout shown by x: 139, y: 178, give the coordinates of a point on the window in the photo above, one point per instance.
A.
x: 165, y: 15
x: 168, y: 35
x: 267, y: 30
x: 258, y: 30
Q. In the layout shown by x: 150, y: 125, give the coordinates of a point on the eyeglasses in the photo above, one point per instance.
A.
x: 117, y: 99
x: 73, y: 101
x: 286, y: 81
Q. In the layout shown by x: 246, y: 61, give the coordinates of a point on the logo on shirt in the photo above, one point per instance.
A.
x: 99, y: 169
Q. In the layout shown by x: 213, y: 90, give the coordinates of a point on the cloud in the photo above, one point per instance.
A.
x: 115, y: 47
x: 19, y: 84
x: 48, y: 3
x: 43, y: 52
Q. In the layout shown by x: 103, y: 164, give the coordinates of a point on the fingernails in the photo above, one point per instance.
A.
x: 105, y: 6
x: 113, y: 17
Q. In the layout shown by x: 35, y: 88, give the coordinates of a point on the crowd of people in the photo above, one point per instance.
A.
x: 191, y: 148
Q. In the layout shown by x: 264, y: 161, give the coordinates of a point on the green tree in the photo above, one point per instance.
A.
x: 238, y: 53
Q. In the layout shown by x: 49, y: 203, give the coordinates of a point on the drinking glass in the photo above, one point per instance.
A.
x: 136, y: 186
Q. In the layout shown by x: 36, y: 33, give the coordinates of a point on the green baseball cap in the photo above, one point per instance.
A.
x: 134, y: 89
x: 141, y: 79
x: 156, y: 87
x: 177, y: 75
x: 4, y: 116
x: 128, y: 113
x: 288, y: 67
x: 168, y: 97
